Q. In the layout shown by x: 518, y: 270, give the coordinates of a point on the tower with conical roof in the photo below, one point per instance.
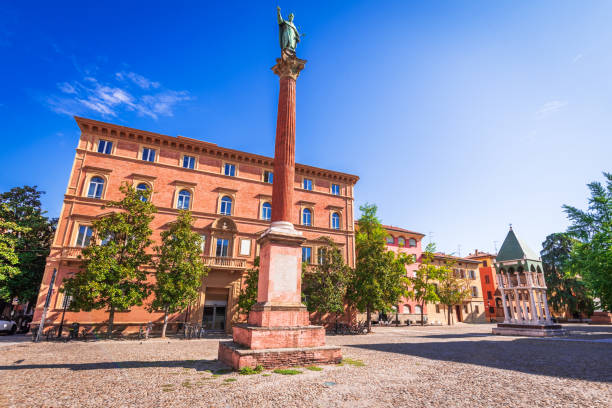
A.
x: 521, y: 282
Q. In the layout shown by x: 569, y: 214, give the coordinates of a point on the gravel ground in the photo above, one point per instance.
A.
x: 461, y: 366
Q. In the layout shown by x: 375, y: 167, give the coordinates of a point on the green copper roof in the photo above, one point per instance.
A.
x: 513, y: 248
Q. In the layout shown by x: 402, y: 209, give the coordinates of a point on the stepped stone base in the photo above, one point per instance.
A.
x: 258, y: 337
x: 238, y: 356
x: 601, y: 318
x: 508, y: 329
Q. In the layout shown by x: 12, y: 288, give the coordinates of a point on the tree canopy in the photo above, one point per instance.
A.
x: 113, y: 274
x: 248, y: 293
x: 423, y: 286
x: 591, y: 256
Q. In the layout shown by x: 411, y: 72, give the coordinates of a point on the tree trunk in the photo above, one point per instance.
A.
x: 163, y: 334
x: 369, y: 319
x: 111, y: 318
x: 422, y: 307
x: 449, y: 314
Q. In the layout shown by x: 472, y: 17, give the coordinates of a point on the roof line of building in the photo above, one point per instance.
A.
x: 398, y: 229
x: 130, y: 133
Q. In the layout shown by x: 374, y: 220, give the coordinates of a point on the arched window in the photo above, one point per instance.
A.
x: 96, y: 185
x: 142, y: 188
x: 412, y: 242
x: 401, y: 241
x: 306, y: 217
x: 184, y: 200
x: 390, y: 239
x: 417, y: 309
x: 266, y: 211
x: 335, y: 221
x: 226, y: 205
x: 407, y: 309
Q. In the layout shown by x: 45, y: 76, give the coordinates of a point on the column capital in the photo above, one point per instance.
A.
x: 288, y: 66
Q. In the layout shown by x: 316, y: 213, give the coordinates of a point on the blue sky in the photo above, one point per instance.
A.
x: 459, y: 117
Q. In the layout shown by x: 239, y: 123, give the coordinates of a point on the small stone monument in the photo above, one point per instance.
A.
x: 523, y: 290
x: 278, y: 332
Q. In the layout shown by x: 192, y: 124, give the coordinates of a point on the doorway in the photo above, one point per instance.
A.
x: 458, y: 312
x: 215, y: 309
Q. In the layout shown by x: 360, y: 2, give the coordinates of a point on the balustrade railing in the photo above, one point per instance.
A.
x: 224, y: 262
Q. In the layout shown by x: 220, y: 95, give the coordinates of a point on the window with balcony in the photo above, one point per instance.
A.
x: 184, y: 200
x: 84, y: 236
x: 96, y: 187
x: 268, y: 176
x: 105, y: 146
x: 226, y: 205
x: 266, y: 211
x: 335, y: 189
x: 148, y: 154
x: 307, y: 254
x: 335, y: 221
x: 222, y: 247
x: 307, y: 184
x: 306, y: 217
x: 189, y: 162
x: 229, y: 169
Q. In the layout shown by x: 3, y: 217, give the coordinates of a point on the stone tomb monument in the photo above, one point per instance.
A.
x: 523, y: 291
x: 278, y: 332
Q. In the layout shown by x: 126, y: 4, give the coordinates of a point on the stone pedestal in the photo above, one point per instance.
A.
x: 601, y: 317
x: 529, y: 330
x: 278, y: 331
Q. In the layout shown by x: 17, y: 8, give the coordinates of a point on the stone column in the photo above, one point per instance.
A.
x: 548, y: 319
x: 518, y: 305
x: 500, y: 281
x: 524, y: 294
x: 534, y: 310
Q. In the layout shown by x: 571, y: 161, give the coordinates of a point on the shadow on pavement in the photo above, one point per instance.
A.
x: 198, y: 365
x: 573, y: 360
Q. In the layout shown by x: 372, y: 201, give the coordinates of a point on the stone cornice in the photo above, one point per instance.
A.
x: 97, y: 169
x: 189, y: 145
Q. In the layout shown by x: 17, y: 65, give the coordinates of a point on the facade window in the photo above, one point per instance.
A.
x: 462, y: 273
x: 487, y: 280
x: 66, y: 301
x: 84, y: 236
x: 401, y: 242
x: 266, y: 211
x: 472, y: 274
x: 229, y: 169
x: 335, y: 218
x: 321, y: 255
x: 148, y: 154
x: 226, y: 205
x: 491, y: 310
x: 105, y: 146
x: 484, y: 263
x: 417, y: 309
x: 407, y: 309
x: 189, y: 162
x: 412, y: 243
x: 184, y: 200
x: 307, y: 184
x: 222, y: 247
x: 203, y: 243
x: 96, y: 186
x: 307, y: 254
x: 437, y: 308
x: 335, y: 189
x: 465, y: 310
x: 474, y: 291
x: 489, y: 296
x: 142, y: 188
x: 390, y: 239
x: 268, y: 176
x: 476, y: 310
x: 306, y: 217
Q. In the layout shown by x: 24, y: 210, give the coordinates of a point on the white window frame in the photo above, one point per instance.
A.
x: 189, y: 159
x: 225, y: 167
x: 78, y: 233
x: 106, y: 149
x: 149, y: 149
x: 332, y: 189
x: 307, y: 182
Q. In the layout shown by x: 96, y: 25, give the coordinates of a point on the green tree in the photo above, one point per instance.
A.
x: 591, y: 256
x: 380, y: 280
x: 423, y: 285
x: 112, y: 273
x: 452, y: 288
x: 566, y: 290
x: 248, y: 294
x: 9, y: 232
x: 324, y: 286
x: 21, y: 206
x: 179, y: 268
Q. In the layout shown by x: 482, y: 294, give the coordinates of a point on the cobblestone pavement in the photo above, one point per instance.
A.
x: 461, y: 366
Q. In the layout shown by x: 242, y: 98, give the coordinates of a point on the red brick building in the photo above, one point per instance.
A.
x: 492, y: 297
x: 228, y: 192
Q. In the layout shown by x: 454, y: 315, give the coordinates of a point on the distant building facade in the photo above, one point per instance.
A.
x: 229, y: 193
x: 494, y: 311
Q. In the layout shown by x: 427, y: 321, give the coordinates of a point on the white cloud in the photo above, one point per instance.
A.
x: 108, y: 99
x: 577, y: 58
x: 550, y: 108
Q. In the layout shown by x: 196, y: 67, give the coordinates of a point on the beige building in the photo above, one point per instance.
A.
x: 471, y: 310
